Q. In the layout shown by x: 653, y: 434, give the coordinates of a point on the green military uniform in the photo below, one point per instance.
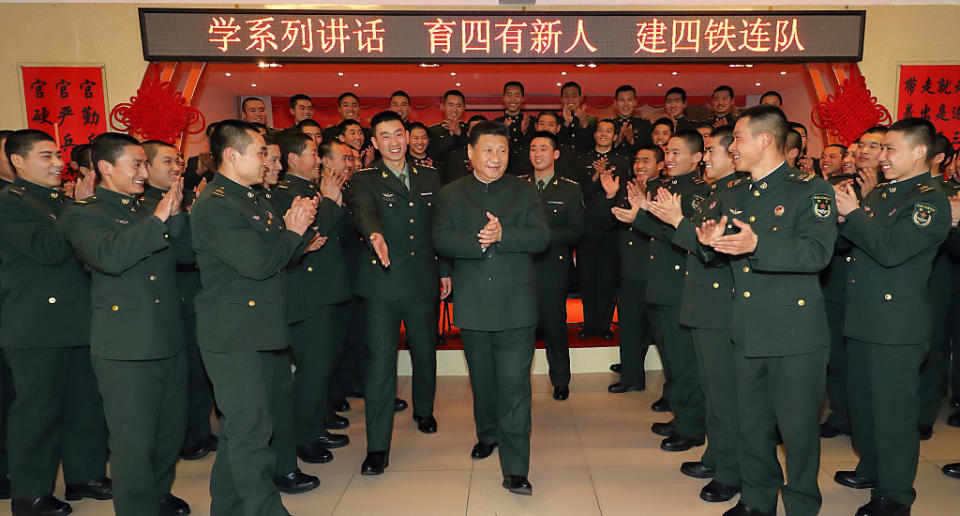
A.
x: 667, y: 270
x: 896, y: 234
x: 137, y: 340
x: 728, y: 119
x: 6, y: 398
x: 597, y: 251
x: 57, y: 415
x: 443, y: 144
x: 779, y: 328
x: 242, y: 247
x: 641, y: 128
x: 832, y: 281
x: 935, y: 368
x: 519, y: 142
x: 576, y: 140
x: 496, y: 306
x: 407, y: 291
x: 315, y: 287
x: 563, y: 204
x: 705, y: 307
x: 456, y: 165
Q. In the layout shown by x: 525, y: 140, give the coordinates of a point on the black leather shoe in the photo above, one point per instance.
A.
x: 172, y: 506
x: 606, y: 335
x: 481, y: 450
x: 427, y: 425
x: 375, y: 463
x: 197, y: 450
x: 952, y: 470
x: 745, y: 510
x: 518, y: 485
x: 664, y: 429
x: 661, y: 405
x: 586, y: 333
x: 332, y: 441
x: 697, y: 470
x: 828, y: 431
x: 851, y: 480
x: 341, y: 405
x: 561, y: 392
x: 335, y: 422
x: 954, y: 419
x: 399, y: 405
x: 884, y: 506
x: 99, y: 489
x: 296, y: 482
x: 356, y: 392
x: 4, y: 487
x: 616, y: 368
x: 43, y: 506
x: 678, y: 443
x: 620, y: 387
x: 314, y: 453
x: 717, y: 492
x: 926, y: 432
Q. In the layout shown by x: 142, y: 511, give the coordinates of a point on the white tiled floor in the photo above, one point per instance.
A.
x: 591, y: 455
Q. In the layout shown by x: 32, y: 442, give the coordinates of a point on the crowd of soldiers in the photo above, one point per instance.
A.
x: 271, y: 276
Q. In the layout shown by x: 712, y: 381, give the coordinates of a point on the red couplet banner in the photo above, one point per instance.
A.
x: 931, y: 92
x: 65, y: 101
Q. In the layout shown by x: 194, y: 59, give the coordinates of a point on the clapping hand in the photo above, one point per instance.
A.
x: 491, y: 233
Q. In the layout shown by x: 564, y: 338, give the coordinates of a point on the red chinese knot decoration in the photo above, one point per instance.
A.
x: 157, y: 112
x: 851, y: 111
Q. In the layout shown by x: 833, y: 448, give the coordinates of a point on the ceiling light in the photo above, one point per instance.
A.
x: 253, y: 84
x: 356, y: 85
x: 429, y: 65
x: 673, y: 73
x: 659, y: 84
x: 580, y: 65
x: 592, y: 65
x: 559, y: 84
x: 563, y: 73
x: 458, y: 84
x: 748, y: 65
x: 757, y: 84
x: 340, y: 74
x: 228, y: 74
x: 453, y: 73
x: 783, y: 73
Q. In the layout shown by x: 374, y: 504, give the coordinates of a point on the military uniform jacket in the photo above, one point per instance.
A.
x: 331, y: 133
x: 778, y: 307
x: 242, y: 246
x: 456, y: 166
x: 563, y: 206
x: 667, y: 262
x: 45, y: 291
x: 137, y: 311
x: 633, y: 245
x: 642, y: 129
x: 382, y: 204
x: 519, y: 140
x: 320, y: 277
x: 707, y: 297
x: 495, y: 289
x: 940, y: 275
x: 896, y: 233
x: 597, y: 206
x: 722, y: 121
x: 442, y: 143
x: 188, y: 275
x: 576, y: 140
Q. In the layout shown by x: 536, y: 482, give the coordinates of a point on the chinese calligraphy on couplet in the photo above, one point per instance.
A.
x: 931, y: 92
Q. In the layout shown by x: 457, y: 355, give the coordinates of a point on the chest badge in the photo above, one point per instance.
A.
x: 778, y: 211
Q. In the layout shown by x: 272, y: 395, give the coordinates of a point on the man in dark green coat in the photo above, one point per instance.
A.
x: 451, y: 134
x: 563, y: 204
x: 137, y: 339
x: 896, y: 233
x: 57, y: 415
x: 242, y: 245
x: 667, y: 265
x: 315, y: 286
x: 781, y: 228
x: 400, y: 280
x: 705, y: 308
x: 492, y: 225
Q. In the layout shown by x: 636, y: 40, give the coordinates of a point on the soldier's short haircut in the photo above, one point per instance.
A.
x: 772, y: 93
x: 794, y: 140
x: 554, y: 141
x: 109, y: 147
x: 298, y: 97
x: 243, y: 105
x: 454, y: 93
x: 662, y: 121
x: 655, y: 149
x: 309, y: 122
x: 843, y: 150
x: 678, y: 90
x: 488, y: 128
x: 152, y: 148
x: 326, y: 148
x: 383, y: 117
x: 571, y: 84
x: 767, y: 118
x: 270, y: 140
x: 550, y: 113
x: 291, y: 141
x: 797, y: 126
x: 917, y: 131
x: 722, y: 135
x: 723, y: 87
x: 877, y: 129
x: 477, y: 118
x: 231, y: 134
x: 626, y: 88
x: 209, y: 130
x: 400, y: 93
x: 344, y: 124
x: 691, y: 139
x: 77, y: 152
x: 514, y: 83
x: 261, y: 127
x: 942, y: 144
x: 21, y: 142
x: 347, y: 94
x: 607, y: 121
x: 418, y: 125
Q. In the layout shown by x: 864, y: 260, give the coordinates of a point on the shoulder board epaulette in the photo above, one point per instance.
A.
x: 803, y: 177
x: 525, y: 177
x: 88, y: 200
x: 697, y: 180
x: 885, y: 183
x: 218, y: 193
x: 922, y: 188
x: 18, y: 190
x: 283, y: 186
x: 568, y: 180
x: 368, y: 169
x: 735, y: 182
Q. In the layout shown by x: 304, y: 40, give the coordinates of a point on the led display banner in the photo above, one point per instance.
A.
x: 523, y: 37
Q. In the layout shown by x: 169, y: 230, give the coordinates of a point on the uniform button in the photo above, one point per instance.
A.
x: 746, y: 269
x: 756, y: 193
x: 411, y: 253
x: 746, y: 293
x: 411, y: 237
x: 411, y: 204
x: 716, y: 285
x: 374, y: 262
x: 411, y: 221
x: 629, y: 243
x: 774, y: 228
x: 156, y: 301
x: 853, y: 281
x: 252, y: 303
x: 676, y: 267
x: 630, y: 228
x: 888, y: 297
x: 752, y: 218
x: 52, y: 300
x: 168, y: 236
x: 801, y: 302
x: 560, y: 257
x: 651, y: 256
x: 115, y: 308
x: 489, y: 278
x: 153, y: 277
x: 686, y: 273
x: 309, y: 269
x: 651, y: 239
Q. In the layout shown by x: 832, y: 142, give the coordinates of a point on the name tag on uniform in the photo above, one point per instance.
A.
x: 554, y: 202
x: 123, y: 221
x: 426, y: 193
